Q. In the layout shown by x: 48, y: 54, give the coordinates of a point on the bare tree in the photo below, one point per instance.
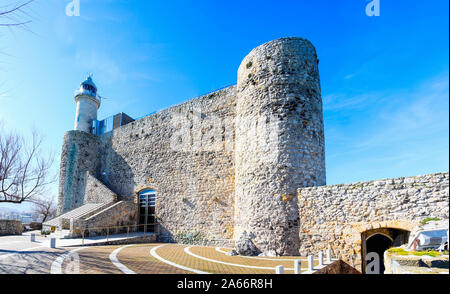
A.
x: 12, y: 15
x: 24, y: 171
x: 45, y: 208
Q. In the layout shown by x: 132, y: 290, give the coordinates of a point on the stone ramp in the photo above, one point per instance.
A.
x: 77, y: 213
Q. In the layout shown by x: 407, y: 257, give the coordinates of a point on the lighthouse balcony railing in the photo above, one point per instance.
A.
x: 85, y: 92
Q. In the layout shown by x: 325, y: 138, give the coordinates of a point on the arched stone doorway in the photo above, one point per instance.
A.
x: 378, y: 241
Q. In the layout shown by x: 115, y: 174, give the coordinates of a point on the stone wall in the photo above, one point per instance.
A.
x: 279, y: 140
x: 10, y: 227
x: 118, y: 215
x: 97, y: 192
x: 336, y: 216
x: 232, y: 161
x: 79, y: 155
x: 185, y: 153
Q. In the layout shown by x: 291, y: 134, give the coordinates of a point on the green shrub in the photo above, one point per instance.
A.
x: 425, y: 221
x: 401, y: 251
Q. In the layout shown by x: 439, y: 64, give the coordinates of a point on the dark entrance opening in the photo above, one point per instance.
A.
x: 147, y: 205
x: 377, y: 241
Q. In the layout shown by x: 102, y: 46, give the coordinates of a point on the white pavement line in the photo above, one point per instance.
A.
x: 221, y: 251
x: 11, y: 242
x: 117, y: 263
x: 56, y: 267
x: 20, y: 251
x: 232, y: 264
x: 155, y: 255
x: 262, y: 258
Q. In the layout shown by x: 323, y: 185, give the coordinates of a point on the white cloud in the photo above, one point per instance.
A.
x: 422, y: 112
x: 105, y: 68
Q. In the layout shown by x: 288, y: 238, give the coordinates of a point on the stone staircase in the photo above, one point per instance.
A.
x: 62, y: 222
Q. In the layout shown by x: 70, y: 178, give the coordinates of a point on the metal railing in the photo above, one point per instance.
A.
x: 152, y: 228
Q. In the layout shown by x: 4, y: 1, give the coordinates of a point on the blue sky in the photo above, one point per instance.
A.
x: 384, y: 79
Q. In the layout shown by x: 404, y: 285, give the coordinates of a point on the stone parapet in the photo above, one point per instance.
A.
x: 336, y: 216
x: 10, y: 227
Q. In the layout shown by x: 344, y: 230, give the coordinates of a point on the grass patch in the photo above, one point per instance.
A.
x: 401, y: 251
x: 425, y: 221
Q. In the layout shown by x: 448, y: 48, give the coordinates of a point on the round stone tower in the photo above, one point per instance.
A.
x: 279, y: 141
x: 87, y: 105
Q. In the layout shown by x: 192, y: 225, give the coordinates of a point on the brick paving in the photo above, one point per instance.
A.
x: 138, y: 259
x: 35, y: 261
x: 211, y: 253
x: 95, y: 260
x: 176, y: 254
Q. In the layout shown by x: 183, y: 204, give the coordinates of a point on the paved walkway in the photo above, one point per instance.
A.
x: 61, y: 242
x: 20, y: 256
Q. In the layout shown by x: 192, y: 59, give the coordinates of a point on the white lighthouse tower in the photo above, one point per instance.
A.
x: 87, y: 105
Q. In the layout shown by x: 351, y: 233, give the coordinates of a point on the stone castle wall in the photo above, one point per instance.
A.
x: 185, y: 153
x: 97, y: 192
x: 79, y: 155
x: 232, y: 161
x: 279, y: 140
x: 115, y: 217
x: 336, y: 216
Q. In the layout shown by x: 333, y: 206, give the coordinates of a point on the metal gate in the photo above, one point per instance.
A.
x: 147, y: 204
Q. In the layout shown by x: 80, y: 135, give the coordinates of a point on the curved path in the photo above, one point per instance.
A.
x: 154, y: 254
x: 117, y: 263
x: 138, y: 259
x: 188, y: 251
x: 279, y: 258
x: 160, y: 258
x: 207, y: 259
x: 56, y: 267
x: 95, y: 260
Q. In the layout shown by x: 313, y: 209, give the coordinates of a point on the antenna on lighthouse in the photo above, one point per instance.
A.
x: 90, y: 75
x: 101, y: 97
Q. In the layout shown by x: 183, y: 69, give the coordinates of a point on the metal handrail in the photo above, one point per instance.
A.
x: 82, y: 231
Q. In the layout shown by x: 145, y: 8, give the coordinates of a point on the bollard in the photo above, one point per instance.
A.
x: 107, y: 234
x: 128, y: 231
x: 279, y: 269
x: 53, y: 243
x: 297, y: 267
x: 82, y: 236
x: 33, y: 237
x: 310, y: 263
x: 71, y: 225
x: 328, y: 255
x: 320, y: 258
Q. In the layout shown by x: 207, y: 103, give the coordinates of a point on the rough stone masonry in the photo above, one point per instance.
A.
x: 246, y: 159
